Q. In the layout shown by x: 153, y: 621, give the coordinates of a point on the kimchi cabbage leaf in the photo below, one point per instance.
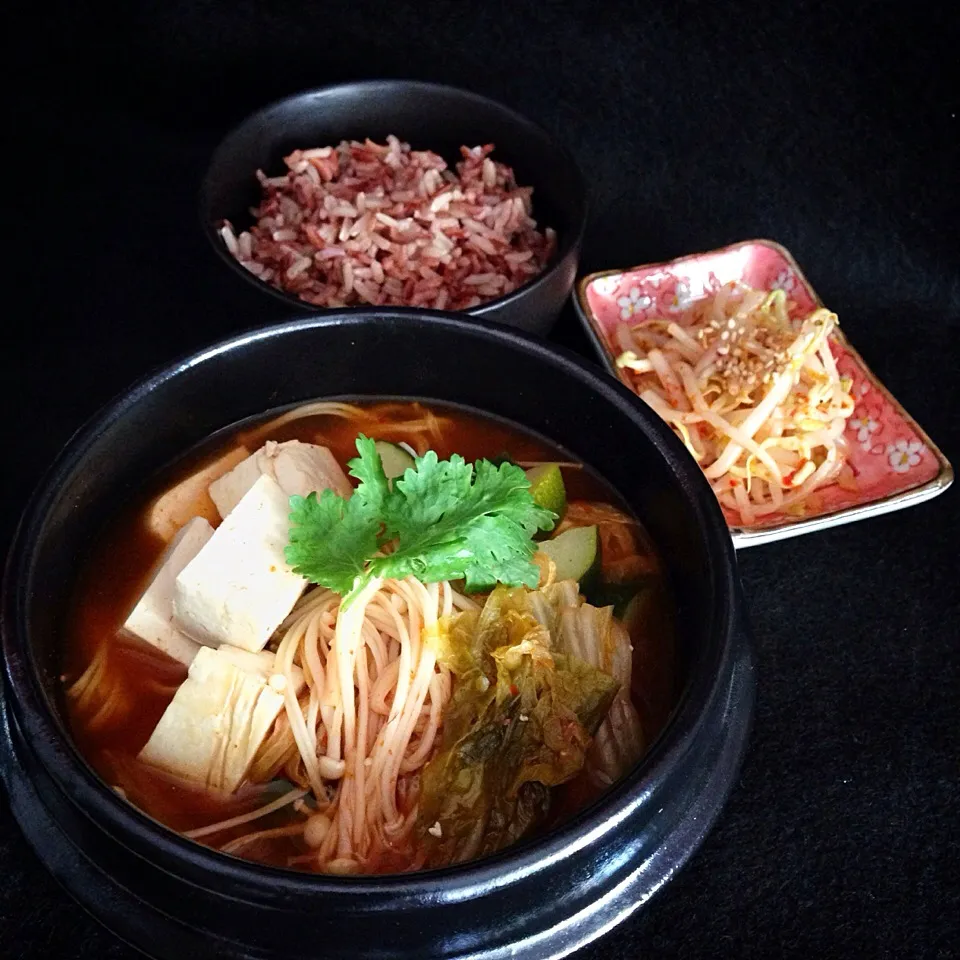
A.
x: 520, y: 721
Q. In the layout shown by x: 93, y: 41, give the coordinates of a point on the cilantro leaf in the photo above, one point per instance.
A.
x: 331, y: 539
x: 452, y: 520
x: 445, y: 520
x: 368, y: 469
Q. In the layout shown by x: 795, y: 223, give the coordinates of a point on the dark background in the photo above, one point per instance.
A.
x: 831, y: 128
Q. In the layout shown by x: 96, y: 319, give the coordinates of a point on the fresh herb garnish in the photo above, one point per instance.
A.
x: 442, y: 520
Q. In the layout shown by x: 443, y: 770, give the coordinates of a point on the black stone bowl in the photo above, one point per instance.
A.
x: 428, y: 116
x: 173, y: 898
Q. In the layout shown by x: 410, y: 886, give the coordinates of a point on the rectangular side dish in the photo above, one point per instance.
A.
x: 894, y: 462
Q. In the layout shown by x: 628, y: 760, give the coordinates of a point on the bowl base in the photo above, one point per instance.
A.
x: 686, y: 821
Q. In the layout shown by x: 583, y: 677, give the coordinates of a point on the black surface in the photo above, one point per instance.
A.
x: 831, y: 128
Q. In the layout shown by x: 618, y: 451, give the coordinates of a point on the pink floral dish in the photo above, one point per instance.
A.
x: 894, y: 462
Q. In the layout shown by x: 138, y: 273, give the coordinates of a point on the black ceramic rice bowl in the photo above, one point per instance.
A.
x: 428, y: 116
x: 173, y: 898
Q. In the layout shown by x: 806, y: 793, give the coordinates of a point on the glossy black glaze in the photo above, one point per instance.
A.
x: 429, y: 116
x: 173, y: 898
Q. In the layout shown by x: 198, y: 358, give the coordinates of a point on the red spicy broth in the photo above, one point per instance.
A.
x: 131, y: 684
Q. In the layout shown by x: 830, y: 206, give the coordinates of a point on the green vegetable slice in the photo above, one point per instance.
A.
x: 396, y: 461
x: 620, y: 596
x: 576, y: 552
x: 548, y: 489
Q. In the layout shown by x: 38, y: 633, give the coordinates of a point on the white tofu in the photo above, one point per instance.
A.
x: 152, y: 617
x: 239, y: 588
x: 263, y: 665
x: 190, y: 498
x: 219, y: 718
x: 299, y: 468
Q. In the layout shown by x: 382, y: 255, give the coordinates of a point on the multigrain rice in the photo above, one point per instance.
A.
x: 382, y: 224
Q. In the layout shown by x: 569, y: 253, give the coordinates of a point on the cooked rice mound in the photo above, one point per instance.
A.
x: 383, y: 224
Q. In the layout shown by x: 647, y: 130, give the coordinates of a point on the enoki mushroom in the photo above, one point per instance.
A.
x: 358, y: 735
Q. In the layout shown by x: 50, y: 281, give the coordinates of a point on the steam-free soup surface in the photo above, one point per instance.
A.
x: 120, y: 687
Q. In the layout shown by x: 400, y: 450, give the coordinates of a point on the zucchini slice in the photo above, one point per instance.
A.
x: 576, y: 552
x: 396, y: 461
x: 548, y: 489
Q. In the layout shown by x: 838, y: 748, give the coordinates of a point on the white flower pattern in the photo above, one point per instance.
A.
x: 904, y: 454
x: 682, y: 297
x: 866, y: 427
x: 785, y: 281
x: 634, y: 302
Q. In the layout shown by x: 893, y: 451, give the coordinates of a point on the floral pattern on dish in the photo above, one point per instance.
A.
x: 888, y: 453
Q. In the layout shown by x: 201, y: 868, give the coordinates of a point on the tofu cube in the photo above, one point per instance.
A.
x: 299, y: 468
x: 152, y: 618
x: 239, y: 588
x: 190, y: 498
x: 219, y: 718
